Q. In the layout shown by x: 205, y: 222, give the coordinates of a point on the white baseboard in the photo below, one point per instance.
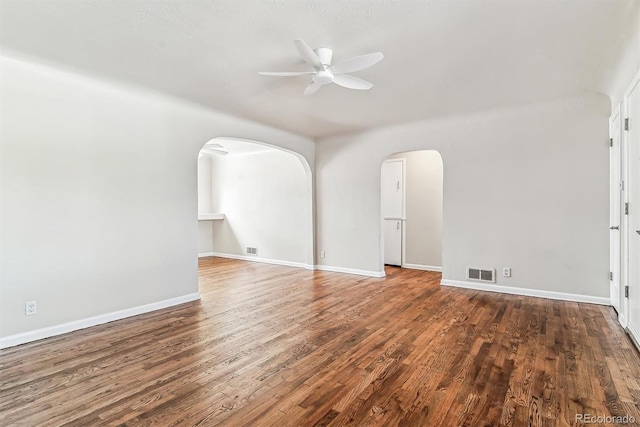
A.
x: 635, y: 337
x: 298, y: 264
x: 622, y: 320
x: 52, y: 331
x: 367, y: 273
x: 526, y: 292
x: 263, y: 260
x: 205, y: 254
x: 422, y: 267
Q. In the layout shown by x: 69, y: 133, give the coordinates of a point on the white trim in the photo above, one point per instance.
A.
x: 615, y: 203
x: 210, y: 216
x: 527, y: 292
x: 622, y: 319
x: 634, y: 81
x: 357, y: 272
x: 262, y: 260
x: 635, y: 337
x: 626, y: 232
x: 205, y: 254
x: 52, y: 331
x: 422, y: 267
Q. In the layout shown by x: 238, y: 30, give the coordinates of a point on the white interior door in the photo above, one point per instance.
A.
x: 392, y: 188
x: 614, y: 212
x: 633, y: 261
x: 393, y: 242
x: 392, y: 201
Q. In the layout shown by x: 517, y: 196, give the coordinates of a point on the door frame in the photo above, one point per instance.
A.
x: 616, y: 196
x: 626, y: 162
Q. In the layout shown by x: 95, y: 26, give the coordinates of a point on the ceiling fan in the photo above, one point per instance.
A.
x: 324, y: 73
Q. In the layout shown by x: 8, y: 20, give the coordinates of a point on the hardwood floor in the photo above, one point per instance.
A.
x: 270, y: 345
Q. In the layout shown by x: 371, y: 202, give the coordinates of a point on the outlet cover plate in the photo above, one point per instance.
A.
x: 30, y: 308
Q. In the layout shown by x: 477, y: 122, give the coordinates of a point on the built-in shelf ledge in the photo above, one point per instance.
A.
x: 210, y: 216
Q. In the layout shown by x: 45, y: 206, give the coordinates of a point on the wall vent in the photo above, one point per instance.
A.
x: 252, y: 251
x: 481, y: 274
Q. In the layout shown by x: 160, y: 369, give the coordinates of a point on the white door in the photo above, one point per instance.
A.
x: 392, y: 201
x: 392, y: 188
x: 614, y: 213
x: 393, y: 242
x: 633, y: 135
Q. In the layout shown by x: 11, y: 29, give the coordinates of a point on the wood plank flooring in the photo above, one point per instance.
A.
x: 276, y: 346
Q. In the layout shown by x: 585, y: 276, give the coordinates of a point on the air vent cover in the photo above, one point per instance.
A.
x: 252, y: 251
x: 481, y: 274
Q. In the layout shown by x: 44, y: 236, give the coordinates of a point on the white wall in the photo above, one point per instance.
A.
x: 525, y: 188
x: 205, y: 189
x: 263, y: 198
x: 98, y: 193
x: 626, y: 52
x: 423, y: 208
x: 205, y: 228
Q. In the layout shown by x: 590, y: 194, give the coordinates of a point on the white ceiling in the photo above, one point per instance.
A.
x: 442, y: 57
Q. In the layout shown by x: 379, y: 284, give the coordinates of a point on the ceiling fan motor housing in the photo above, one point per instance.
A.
x: 325, y: 54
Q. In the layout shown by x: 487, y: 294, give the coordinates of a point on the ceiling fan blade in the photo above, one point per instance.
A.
x: 312, y: 88
x: 285, y: 73
x: 358, y: 63
x: 351, y: 82
x: 308, y: 54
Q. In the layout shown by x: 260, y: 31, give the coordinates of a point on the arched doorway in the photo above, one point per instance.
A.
x: 411, y: 210
x: 254, y: 203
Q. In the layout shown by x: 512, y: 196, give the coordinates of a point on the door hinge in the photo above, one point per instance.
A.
x: 610, y: 142
x: 621, y: 185
x: 626, y: 208
x: 610, y: 275
x: 626, y: 124
x: 626, y: 291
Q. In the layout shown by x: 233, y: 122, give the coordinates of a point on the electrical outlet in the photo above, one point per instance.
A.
x: 506, y: 272
x: 321, y: 254
x: 30, y: 308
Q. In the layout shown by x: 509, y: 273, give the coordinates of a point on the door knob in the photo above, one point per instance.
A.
x: 638, y: 231
x: 614, y: 227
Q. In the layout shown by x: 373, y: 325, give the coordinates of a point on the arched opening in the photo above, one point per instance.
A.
x: 254, y: 203
x: 412, y: 187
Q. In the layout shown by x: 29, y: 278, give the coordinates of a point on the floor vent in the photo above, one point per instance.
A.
x: 481, y: 274
x: 252, y: 251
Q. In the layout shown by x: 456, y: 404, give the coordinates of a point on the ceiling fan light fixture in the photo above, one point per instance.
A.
x: 323, y: 77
